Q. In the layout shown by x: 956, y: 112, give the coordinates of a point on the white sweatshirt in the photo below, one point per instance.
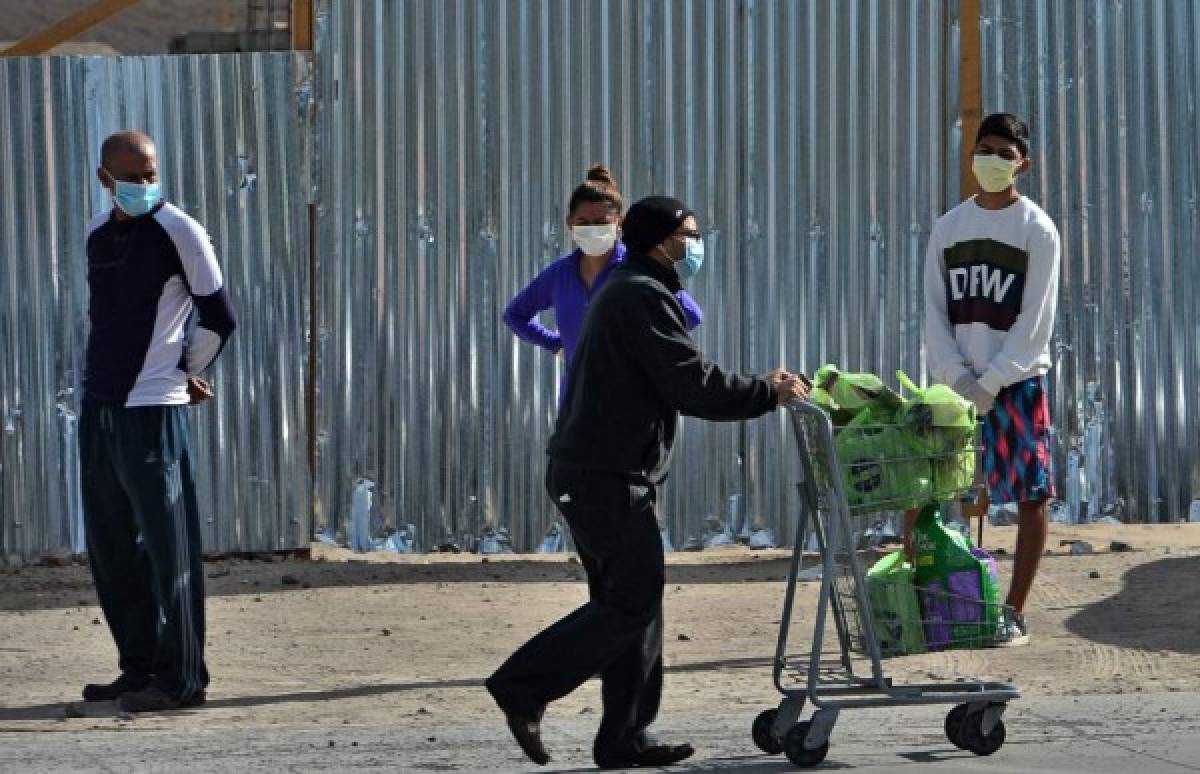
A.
x: 991, y: 291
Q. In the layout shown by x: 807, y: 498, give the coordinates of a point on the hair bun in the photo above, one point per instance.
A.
x: 598, y: 173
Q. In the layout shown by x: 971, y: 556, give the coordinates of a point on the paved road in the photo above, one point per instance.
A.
x: 1095, y: 734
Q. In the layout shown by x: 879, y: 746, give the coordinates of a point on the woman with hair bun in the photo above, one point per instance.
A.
x: 568, y: 284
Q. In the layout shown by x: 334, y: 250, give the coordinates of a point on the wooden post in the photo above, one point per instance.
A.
x: 302, y: 40
x: 227, y: 15
x: 970, y: 103
x: 970, y: 91
x: 302, y: 25
x: 65, y: 29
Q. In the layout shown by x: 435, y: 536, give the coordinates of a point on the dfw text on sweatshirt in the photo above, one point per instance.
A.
x: 991, y: 292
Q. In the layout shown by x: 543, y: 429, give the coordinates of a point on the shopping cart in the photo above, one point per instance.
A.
x: 840, y: 500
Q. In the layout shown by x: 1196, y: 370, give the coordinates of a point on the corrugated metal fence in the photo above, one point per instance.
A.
x: 810, y: 138
x: 231, y: 139
x: 817, y: 140
x: 1110, y: 91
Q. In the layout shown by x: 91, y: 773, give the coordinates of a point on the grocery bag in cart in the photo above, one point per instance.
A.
x: 846, y: 395
x: 878, y: 466
x: 958, y: 586
x: 941, y: 427
x: 891, y: 586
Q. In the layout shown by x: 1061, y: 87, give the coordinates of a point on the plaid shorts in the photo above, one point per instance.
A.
x: 1017, y: 465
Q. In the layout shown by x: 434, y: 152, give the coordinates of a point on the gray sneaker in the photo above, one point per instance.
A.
x: 1012, y: 632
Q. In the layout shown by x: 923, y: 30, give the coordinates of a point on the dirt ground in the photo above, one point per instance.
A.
x: 340, y: 640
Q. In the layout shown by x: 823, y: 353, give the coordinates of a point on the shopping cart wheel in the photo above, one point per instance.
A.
x: 954, y: 723
x: 972, y: 737
x: 764, y: 732
x: 797, y: 753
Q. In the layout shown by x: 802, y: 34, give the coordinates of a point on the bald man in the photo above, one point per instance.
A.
x: 159, y: 316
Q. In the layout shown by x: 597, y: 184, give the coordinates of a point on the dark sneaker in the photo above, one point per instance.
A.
x: 653, y: 757
x: 196, y: 700
x: 126, y: 683
x: 155, y: 699
x: 1013, y: 632
x: 528, y: 733
x: 526, y: 729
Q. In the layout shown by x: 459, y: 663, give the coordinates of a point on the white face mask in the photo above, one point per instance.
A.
x: 595, y: 240
x: 993, y: 173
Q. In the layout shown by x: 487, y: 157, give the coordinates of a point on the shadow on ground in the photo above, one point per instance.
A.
x: 41, y: 588
x: 1164, y: 595
x: 66, y: 709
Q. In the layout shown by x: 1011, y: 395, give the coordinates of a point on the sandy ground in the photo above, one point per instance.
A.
x: 405, y: 641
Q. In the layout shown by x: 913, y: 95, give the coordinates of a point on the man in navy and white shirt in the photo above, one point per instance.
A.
x: 159, y: 316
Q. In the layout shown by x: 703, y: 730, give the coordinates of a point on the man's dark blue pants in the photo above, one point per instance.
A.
x: 143, y: 539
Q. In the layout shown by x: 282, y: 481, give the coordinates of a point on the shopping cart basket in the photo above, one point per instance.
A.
x: 839, y: 500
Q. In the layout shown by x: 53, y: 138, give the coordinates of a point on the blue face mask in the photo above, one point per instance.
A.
x: 693, y: 257
x: 136, y: 199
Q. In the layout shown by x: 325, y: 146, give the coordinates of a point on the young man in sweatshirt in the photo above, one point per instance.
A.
x: 991, y: 291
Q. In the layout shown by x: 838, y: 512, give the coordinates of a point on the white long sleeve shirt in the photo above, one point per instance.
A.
x: 991, y: 293
x: 157, y: 305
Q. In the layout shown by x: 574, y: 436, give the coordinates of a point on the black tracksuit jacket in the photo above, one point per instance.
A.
x: 635, y: 371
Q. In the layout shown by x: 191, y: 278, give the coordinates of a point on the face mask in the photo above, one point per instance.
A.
x: 693, y: 257
x: 993, y: 173
x: 595, y: 240
x: 136, y: 199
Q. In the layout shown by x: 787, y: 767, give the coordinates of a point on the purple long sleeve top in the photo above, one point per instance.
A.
x: 560, y: 287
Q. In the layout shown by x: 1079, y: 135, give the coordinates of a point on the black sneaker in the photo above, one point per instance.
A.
x: 528, y: 733
x: 155, y: 699
x: 653, y: 757
x: 126, y: 683
x: 526, y: 729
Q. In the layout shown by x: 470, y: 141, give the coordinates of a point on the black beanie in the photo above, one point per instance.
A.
x: 651, y: 220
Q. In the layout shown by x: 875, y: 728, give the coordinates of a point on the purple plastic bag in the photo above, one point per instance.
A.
x: 963, y: 602
x: 970, y: 586
x: 961, y: 596
x: 935, y: 608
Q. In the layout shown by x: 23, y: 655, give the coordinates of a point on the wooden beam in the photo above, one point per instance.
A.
x: 302, y: 25
x: 302, y: 40
x: 227, y: 15
x: 970, y: 90
x: 970, y: 105
x: 65, y: 29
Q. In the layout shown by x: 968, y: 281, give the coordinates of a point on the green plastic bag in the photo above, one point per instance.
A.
x: 879, y: 468
x: 895, y: 610
x: 941, y: 427
x: 954, y: 471
x: 936, y: 406
x: 958, y: 585
x: 845, y: 395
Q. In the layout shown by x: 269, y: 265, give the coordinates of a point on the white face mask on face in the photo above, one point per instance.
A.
x: 595, y: 240
x: 993, y: 173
